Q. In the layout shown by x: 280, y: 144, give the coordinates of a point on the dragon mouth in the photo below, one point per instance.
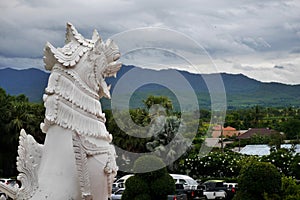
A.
x: 111, y: 69
x: 116, y: 56
x: 114, y: 64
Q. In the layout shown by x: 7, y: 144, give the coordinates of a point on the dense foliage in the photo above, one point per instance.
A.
x: 214, y: 164
x: 16, y: 112
x: 290, y: 189
x: 229, y: 164
x: 257, y: 179
x: 285, y: 119
x: 155, y: 128
x: 151, y: 185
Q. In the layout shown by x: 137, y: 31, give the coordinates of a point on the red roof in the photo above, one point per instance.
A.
x: 228, y: 131
x: 229, y: 128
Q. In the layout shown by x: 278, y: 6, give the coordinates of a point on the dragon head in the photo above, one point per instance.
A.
x: 94, y: 60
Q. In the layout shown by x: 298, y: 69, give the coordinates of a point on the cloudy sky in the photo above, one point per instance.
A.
x: 260, y: 39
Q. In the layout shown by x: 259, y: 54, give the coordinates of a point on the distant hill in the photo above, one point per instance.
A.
x: 241, y: 91
x: 30, y: 82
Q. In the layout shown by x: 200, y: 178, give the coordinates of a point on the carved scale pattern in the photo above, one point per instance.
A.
x: 30, y: 153
x: 70, y: 104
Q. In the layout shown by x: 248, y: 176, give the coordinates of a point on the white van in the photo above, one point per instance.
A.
x: 188, y: 182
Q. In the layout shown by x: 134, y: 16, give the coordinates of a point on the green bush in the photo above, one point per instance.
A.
x: 295, y: 167
x: 161, y: 187
x: 290, y: 189
x: 282, y: 159
x: 258, y: 180
x: 143, y: 197
x: 135, y: 185
x: 240, y: 195
x: 152, y: 185
x: 146, y: 164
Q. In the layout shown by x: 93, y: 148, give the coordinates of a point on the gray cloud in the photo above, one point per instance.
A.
x: 278, y: 67
x: 254, y: 33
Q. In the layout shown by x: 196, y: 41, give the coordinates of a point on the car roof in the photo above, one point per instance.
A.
x: 181, y: 176
x: 214, y: 181
x: 125, y: 177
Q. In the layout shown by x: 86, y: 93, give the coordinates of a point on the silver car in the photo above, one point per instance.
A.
x: 118, y: 194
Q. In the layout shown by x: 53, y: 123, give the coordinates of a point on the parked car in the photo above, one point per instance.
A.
x: 120, y: 183
x: 179, y: 193
x: 187, y: 181
x: 231, y: 189
x: 231, y: 186
x: 186, y: 194
x: 118, y: 194
x: 214, y: 189
x: 116, y: 186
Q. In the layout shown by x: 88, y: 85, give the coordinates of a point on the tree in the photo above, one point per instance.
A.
x: 290, y: 189
x: 16, y: 113
x: 295, y: 166
x: 227, y: 164
x: 291, y: 128
x: 150, y: 129
x: 163, y: 101
x: 171, y: 137
x: 257, y: 180
x: 282, y: 159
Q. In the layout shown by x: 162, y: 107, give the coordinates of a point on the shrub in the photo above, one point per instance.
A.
x: 143, y: 197
x: 295, y: 166
x: 135, y: 185
x: 258, y: 179
x: 151, y: 185
x: 161, y: 187
x: 290, y: 189
x: 282, y: 159
x: 147, y: 164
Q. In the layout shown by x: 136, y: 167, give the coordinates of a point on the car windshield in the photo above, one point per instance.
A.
x: 219, y: 184
x: 191, y: 182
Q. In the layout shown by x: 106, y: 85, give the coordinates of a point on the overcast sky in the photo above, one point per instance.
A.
x: 260, y: 39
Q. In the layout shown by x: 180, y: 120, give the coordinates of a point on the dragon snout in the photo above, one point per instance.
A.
x: 116, y: 56
x: 111, y: 51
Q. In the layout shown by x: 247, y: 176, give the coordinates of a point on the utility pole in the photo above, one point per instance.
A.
x: 222, y: 145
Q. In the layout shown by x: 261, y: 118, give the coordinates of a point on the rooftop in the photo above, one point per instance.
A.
x: 263, y: 149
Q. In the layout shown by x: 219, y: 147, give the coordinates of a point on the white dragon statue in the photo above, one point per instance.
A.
x: 76, y: 160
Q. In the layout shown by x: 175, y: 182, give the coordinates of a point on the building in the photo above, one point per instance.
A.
x: 257, y: 131
x: 227, y: 131
x: 263, y: 149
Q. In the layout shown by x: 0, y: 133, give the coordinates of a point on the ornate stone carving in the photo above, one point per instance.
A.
x: 28, y: 161
x: 79, y: 87
x: 77, y: 160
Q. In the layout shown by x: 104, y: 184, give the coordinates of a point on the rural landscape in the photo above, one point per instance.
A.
x: 253, y: 125
x: 149, y: 100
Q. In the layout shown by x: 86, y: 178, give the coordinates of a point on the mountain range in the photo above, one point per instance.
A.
x: 241, y: 91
